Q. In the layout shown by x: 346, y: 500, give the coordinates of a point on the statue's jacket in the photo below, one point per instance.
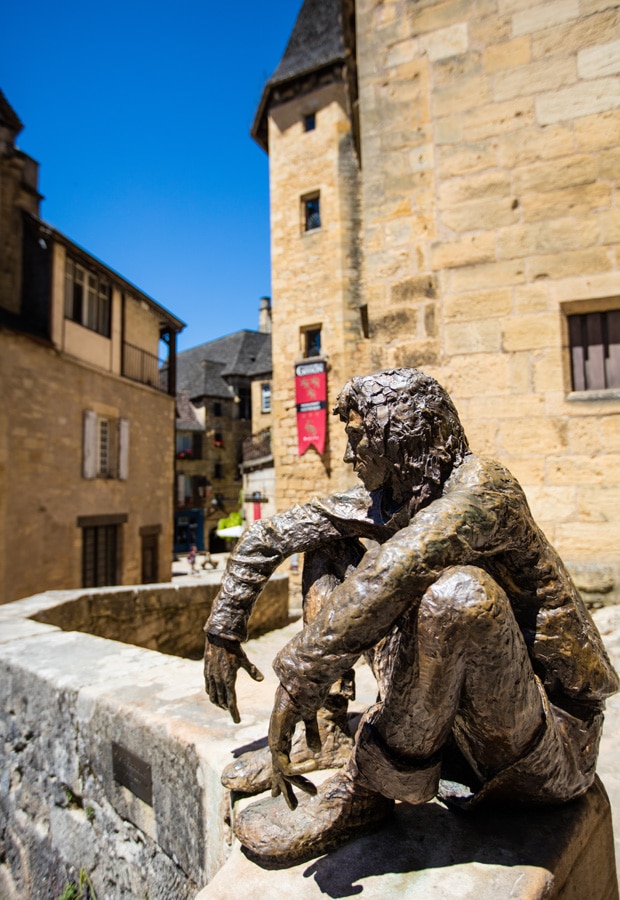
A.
x: 480, y: 519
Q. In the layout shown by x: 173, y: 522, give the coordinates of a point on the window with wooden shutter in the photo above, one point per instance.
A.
x: 594, y: 339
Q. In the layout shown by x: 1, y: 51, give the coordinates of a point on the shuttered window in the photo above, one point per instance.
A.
x: 100, y: 555
x: 595, y: 350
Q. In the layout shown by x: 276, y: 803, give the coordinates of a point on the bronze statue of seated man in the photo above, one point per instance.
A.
x: 484, y: 654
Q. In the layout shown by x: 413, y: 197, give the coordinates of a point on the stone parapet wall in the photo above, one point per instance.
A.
x: 69, y: 701
x: 164, y: 617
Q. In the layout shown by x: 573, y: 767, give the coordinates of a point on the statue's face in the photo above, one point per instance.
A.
x: 370, y: 466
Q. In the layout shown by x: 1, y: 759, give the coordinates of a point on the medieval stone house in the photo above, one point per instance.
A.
x: 224, y: 393
x: 444, y: 194
x: 86, y: 426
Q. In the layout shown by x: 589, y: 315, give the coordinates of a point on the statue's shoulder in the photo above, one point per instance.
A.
x: 482, y: 474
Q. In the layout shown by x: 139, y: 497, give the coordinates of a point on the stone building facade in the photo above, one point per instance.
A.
x: 465, y: 157
x: 86, y: 427
x: 220, y: 387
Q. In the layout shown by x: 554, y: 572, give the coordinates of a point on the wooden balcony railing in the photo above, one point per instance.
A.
x: 139, y: 365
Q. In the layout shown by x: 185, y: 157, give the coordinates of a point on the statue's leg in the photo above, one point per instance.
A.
x: 458, y: 665
x: 324, y: 569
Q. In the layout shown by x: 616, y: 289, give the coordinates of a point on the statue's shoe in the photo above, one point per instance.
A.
x: 251, y: 772
x: 276, y: 836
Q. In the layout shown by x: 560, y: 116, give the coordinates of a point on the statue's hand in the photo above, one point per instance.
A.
x: 223, y: 659
x: 284, y: 717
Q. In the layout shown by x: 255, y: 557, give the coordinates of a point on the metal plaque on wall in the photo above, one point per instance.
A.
x: 132, y: 772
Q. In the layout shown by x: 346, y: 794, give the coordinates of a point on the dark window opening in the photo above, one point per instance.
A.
x: 150, y: 558
x: 100, y: 554
x: 364, y: 320
x: 312, y: 342
x: 218, y: 471
x: 245, y: 402
x: 312, y: 213
x: 218, y: 439
x: 310, y: 122
x: 87, y: 298
x: 217, y: 409
x: 595, y: 350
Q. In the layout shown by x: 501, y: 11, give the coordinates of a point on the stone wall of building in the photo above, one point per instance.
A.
x: 490, y: 134
x: 45, y: 396
x: 488, y: 214
x: 314, y: 276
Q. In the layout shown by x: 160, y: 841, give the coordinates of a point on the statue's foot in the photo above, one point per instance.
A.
x: 251, y: 772
x: 274, y: 835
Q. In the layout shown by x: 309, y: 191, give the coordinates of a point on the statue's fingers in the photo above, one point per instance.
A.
x: 232, y: 707
x: 280, y: 785
x: 251, y: 669
x: 302, y: 783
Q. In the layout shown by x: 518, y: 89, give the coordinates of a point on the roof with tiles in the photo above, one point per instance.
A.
x: 316, y: 42
x: 204, y: 371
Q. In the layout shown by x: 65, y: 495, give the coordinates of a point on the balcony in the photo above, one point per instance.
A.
x: 139, y: 365
x: 257, y: 446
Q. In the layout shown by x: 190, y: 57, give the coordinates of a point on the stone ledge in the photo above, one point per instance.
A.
x: 427, y: 851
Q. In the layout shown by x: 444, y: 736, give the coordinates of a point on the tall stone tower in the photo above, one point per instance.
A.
x: 305, y: 123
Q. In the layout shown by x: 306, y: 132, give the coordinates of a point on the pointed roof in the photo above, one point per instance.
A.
x: 317, y: 42
x: 8, y: 116
x: 204, y: 371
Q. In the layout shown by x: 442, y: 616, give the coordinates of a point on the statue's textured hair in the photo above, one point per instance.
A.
x: 410, y: 419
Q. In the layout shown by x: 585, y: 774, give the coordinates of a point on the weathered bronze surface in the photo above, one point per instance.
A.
x: 491, y: 674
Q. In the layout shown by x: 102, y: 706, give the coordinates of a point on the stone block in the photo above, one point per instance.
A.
x: 523, y: 437
x: 469, y: 250
x: 480, y: 336
x: 586, y: 539
x: 575, y: 262
x: 582, y: 99
x: 470, y: 376
x: 583, y: 469
x: 609, y: 162
x: 457, y: 68
x: 489, y: 214
x: 534, y: 145
x: 477, y: 305
x: 599, y: 61
x: 445, y: 42
x: 487, y: 275
x: 531, y: 298
x: 440, y: 15
x: 552, y: 504
x: 575, y: 201
x: 597, y: 132
x: 585, y: 287
x: 455, y: 161
x: 554, y: 236
x: 465, y: 94
x: 533, y: 332
x: 568, y: 38
x: 549, y: 176
x: 507, y: 55
x: 545, y: 75
x: 495, y: 119
x: 546, y: 15
x: 426, y: 850
x: 475, y: 187
x: 414, y: 288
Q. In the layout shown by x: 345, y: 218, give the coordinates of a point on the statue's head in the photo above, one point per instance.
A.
x: 410, y: 426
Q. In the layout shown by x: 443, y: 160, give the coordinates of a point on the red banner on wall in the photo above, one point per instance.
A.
x: 311, y: 399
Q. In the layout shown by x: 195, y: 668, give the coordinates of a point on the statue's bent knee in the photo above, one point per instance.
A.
x: 463, y: 592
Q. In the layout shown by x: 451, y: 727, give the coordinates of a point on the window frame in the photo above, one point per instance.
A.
x: 265, y: 397
x: 311, y: 207
x: 88, y: 298
x: 594, y: 350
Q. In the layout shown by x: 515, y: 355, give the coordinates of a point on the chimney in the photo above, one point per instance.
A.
x: 264, y: 315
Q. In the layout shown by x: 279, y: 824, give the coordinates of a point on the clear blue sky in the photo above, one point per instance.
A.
x: 139, y: 114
